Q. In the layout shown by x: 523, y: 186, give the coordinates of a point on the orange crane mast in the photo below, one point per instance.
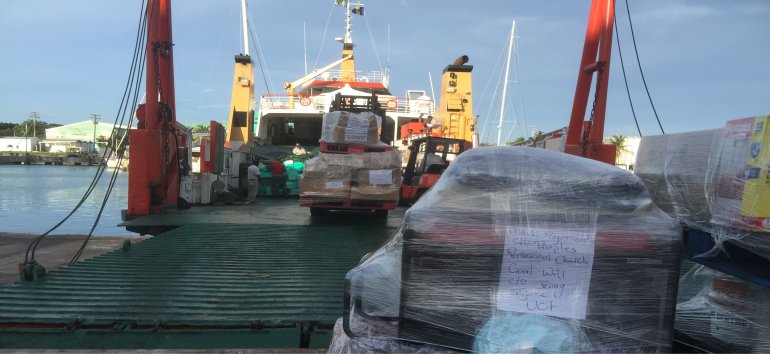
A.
x: 155, y: 143
x: 584, y: 137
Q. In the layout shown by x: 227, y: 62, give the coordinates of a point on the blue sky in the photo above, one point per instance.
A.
x: 705, y: 61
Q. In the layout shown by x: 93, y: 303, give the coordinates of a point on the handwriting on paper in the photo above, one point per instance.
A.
x: 546, y: 272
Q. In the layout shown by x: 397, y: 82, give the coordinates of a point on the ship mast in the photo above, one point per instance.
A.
x: 348, y: 67
x: 505, y: 86
x: 245, y: 26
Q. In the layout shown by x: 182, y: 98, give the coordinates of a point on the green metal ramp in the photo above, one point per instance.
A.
x: 198, y: 286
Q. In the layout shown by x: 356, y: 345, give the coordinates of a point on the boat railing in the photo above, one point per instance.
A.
x: 361, y: 76
x: 320, y: 103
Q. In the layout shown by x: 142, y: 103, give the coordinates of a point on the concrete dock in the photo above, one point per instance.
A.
x: 54, y: 251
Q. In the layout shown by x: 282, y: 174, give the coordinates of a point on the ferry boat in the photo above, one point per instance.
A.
x: 296, y: 116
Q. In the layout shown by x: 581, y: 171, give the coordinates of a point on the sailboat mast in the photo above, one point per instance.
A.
x: 245, y: 25
x: 505, y: 85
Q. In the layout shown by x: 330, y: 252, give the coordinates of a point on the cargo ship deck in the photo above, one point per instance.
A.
x: 265, y: 275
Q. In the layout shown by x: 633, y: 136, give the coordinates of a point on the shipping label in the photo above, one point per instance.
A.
x: 381, y: 177
x: 334, y: 184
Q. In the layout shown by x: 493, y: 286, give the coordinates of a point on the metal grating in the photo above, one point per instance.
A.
x: 201, y: 276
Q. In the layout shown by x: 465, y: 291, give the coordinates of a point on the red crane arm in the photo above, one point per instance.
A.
x: 154, y: 144
x: 584, y: 137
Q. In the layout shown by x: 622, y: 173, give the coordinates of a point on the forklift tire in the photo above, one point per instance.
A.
x: 381, y: 213
x: 318, y: 211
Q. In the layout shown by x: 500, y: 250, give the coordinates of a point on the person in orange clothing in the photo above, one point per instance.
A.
x: 278, y: 179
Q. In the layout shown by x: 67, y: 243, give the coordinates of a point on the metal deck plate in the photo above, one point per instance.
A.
x: 198, y: 286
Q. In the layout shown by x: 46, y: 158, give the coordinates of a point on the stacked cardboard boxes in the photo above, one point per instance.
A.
x: 363, y: 176
x: 373, y: 173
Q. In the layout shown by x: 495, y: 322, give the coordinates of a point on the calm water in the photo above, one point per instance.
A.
x: 34, y: 198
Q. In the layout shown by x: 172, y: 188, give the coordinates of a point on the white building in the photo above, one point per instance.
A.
x: 19, y: 144
x: 77, y: 137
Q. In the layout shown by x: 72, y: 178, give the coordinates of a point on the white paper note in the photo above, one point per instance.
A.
x: 357, y: 129
x: 334, y: 184
x: 380, y: 176
x: 546, y: 272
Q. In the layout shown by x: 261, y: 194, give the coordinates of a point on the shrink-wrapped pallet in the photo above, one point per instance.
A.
x: 742, y: 183
x: 715, y: 181
x: 351, y: 128
x: 720, y: 313
x: 521, y: 249
x: 675, y: 168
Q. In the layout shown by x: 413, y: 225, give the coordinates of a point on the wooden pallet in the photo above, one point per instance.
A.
x: 345, y: 148
x: 347, y: 203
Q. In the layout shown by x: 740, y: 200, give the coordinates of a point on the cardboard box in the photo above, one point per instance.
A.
x: 382, y: 160
x: 743, y: 178
x: 380, y: 184
x: 326, y: 185
x: 351, y: 128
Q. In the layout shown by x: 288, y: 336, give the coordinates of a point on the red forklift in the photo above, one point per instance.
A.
x: 429, y: 156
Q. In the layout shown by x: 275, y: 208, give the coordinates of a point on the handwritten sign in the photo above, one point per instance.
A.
x: 357, y: 129
x: 546, y: 272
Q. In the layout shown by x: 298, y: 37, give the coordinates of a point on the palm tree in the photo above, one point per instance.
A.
x: 198, y: 130
x: 620, y: 145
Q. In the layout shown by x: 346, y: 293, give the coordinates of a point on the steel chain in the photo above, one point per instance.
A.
x: 587, y: 131
x: 163, y: 111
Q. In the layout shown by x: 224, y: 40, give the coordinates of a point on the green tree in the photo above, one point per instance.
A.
x: 6, y: 129
x: 26, y: 128
x: 118, y: 141
x: 198, y: 130
x: 515, y: 141
x: 620, y: 145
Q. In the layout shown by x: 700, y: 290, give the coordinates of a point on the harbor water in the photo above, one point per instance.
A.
x: 34, y: 198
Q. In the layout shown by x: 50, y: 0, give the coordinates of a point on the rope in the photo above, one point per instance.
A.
x: 258, y: 48
x: 133, y: 76
x: 625, y: 79
x: 633, y: 37
x: 374, y: 45
x: 323, y: 37
x: 134, y: 82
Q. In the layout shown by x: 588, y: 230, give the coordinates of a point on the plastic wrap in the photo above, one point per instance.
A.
x: 675, y: 168
x: 351, y: 128
x: 343, y: 344
x: 359, y: 176
x: 720, y: 313
x: 716, y: 181
x: 522, y: 249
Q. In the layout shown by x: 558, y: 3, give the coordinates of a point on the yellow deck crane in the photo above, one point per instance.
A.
x: 240, y: 127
